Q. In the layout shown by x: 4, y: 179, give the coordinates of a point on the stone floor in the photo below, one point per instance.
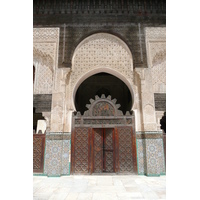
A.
x: 99, y: 187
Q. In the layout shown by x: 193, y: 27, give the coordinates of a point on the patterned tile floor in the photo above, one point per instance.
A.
x: 99, y: 187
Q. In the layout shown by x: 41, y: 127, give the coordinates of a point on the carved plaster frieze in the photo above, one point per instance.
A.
x: 46, y: 35
x: 158, y: 33
x: 43, y: 80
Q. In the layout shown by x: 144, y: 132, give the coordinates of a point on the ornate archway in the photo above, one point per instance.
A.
x: 103, y: 83
x: 101, y: 52
x: 103, y: 139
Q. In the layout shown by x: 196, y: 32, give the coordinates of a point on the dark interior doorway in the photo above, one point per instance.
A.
x: 163, y: 122
x: 103, y: 83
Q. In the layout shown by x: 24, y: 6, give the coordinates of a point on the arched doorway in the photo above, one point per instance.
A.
x: 101, y: 52
x: 103, y: 83
x: 103, y: 131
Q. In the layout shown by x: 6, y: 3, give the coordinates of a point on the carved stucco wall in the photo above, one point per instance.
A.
x: 49, y: 79
x: 153, y: 78
x: 43, y: 79
x: 156, y: 57
x: 100, y: 52
x: 45, y: 58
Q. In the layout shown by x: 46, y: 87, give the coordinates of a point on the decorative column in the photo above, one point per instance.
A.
x: 147, y: 96
x: 68, y: 103
x: 58, y: 101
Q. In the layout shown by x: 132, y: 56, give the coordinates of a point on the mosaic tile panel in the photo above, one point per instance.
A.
x: 141, y: 156
x: 150, y: 156
x: 53, y: 159
x: 161, y: 156
x: 57, y: 157
x: 155, y: 156
x: 152, y: 151
x: 66, y: 157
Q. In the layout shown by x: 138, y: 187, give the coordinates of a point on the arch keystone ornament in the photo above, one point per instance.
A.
x: 103, y: 139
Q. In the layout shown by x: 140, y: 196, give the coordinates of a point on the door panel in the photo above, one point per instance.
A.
x: 103, y: 150
x: 108, y: 150
x: 98, y: 150
x: 125, y: 149
x: 38, y: 152
x: 81, y: 156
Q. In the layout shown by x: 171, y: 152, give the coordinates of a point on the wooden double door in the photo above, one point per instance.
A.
x: 103, y: 150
